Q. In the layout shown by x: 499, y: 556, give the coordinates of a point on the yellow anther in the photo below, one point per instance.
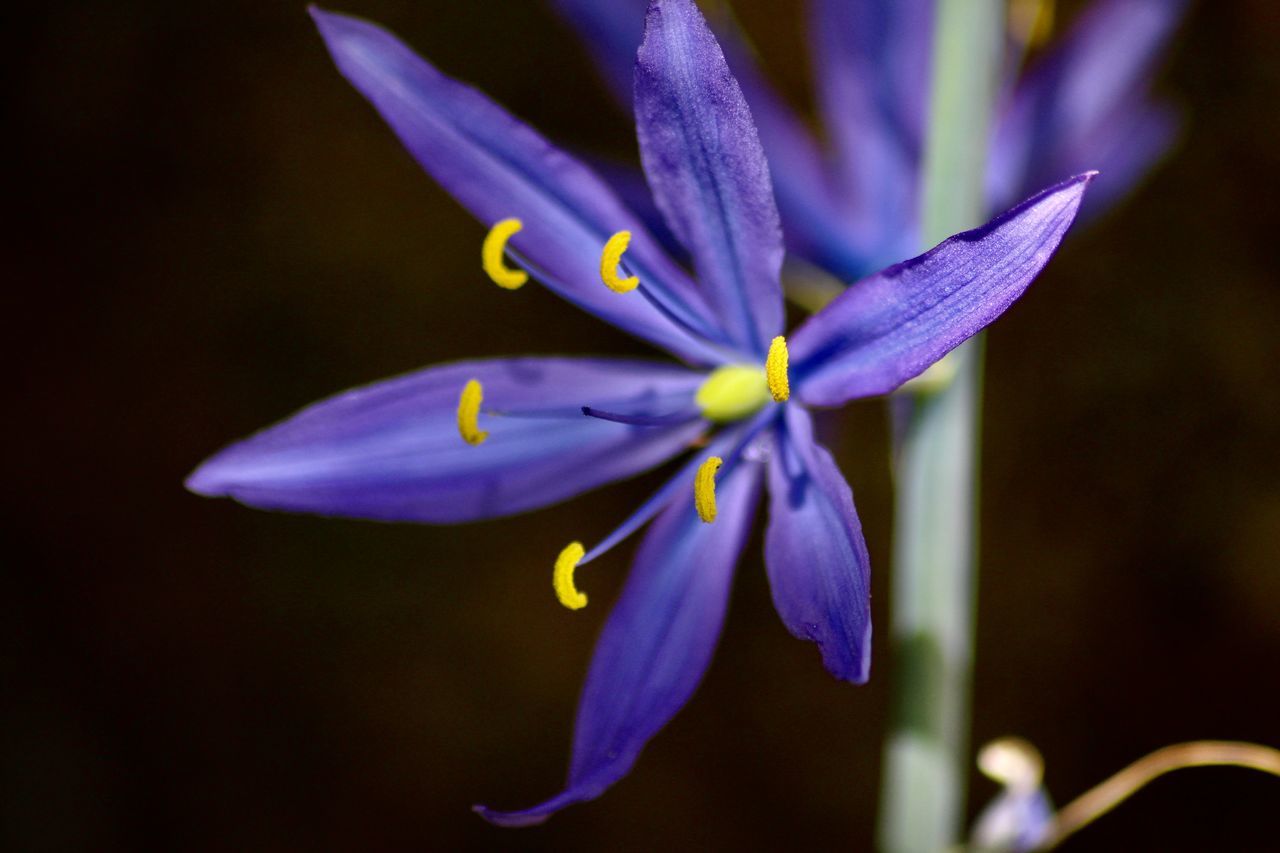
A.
x: 704, y: 488
x: 609, y: 260
x: 562, y: 578
x: 495, y: 245
x: 775, y: 370
x: 732, y: 392
x: 469, y: 413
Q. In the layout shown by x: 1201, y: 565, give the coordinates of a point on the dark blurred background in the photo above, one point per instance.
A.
x: 211, y: 229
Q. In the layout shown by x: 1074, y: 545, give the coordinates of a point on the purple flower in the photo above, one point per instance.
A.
x: 488, y: 438
x: 1084, y: 104
x: 1020, y: 818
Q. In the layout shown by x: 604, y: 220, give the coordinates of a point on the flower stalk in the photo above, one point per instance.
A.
x: 1104, y: 797
x: 935, y: 535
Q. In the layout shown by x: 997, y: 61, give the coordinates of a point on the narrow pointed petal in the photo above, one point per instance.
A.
x: 703, y: 158
x: 497, y: 167
x: 891, y: 326
x: 657, y: 643
x: 873, y: 68
x: 815, y: 221
x: 392, y: 451
x: 1073, y: 106
x: 818, y: 222
x: 819, y: 570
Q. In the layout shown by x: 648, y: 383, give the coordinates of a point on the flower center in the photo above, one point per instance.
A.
x: 736, y: 391
x: 733, y: 392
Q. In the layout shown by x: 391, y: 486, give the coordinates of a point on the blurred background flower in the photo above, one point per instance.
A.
x: 851, y: 196
x: 214, y: 230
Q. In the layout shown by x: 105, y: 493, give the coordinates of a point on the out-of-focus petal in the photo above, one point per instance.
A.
x: 891, y: 326
x: 815, y: 220
x: 817, y: 560
x: 1074, y: 105
x: 611, y: 30
x: 1136, y: 142
x: 657, y: 643
x: 701, y: 153
x: 497, y: 167
x: 873, y: 68
x: 392, y: 451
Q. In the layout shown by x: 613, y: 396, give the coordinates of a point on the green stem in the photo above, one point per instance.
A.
x: 935, y: 537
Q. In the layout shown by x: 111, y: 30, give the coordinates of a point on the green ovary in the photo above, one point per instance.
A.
x: 733, y: 392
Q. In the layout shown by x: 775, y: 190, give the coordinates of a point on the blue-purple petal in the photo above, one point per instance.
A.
x: 498, y: 167
x: 873, y: 70
x: 1136, y: 141
x: 1074, y: 107
x: 891, y: 326
x: 814, y: 220
x: 392, y: 451
x: 707, y: 170
x: 657, y: 643
x: 819, y: 570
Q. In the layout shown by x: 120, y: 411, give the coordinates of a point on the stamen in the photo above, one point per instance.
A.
x: 704, y: 489
x: 562, y: 577
x: 775, y: 370
x: 469, y: 413
x: 730, y: 445
x: 609, y: 260
x: 495, y: 244
x: 640, y: 420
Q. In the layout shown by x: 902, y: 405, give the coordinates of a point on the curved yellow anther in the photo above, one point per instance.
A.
x: 562, y: 577
x: 775, y: 370
x: 495, y: 245
x: 469, y: 413
x: 609, y: 260
x: 704, y: 488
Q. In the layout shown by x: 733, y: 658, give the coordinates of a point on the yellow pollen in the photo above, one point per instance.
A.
x: 704, y: 489
x: 775, y: 370
x: 495, y: 244
x: 469, y: 413
x: 562, y: 578
x: 732, y: 392
x: 609, y: 260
